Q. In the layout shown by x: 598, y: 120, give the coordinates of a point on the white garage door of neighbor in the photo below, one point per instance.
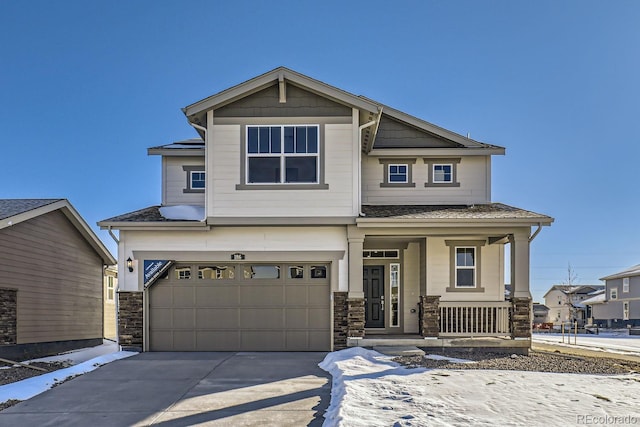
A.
x: 241, y: 307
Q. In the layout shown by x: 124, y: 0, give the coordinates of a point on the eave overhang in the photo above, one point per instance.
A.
x: 436, y: 152
x: 364, y: 222
x: 155, y: 226
x: 182, y: 152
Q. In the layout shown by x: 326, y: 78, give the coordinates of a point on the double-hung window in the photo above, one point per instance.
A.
x: 283, y: 154
x: 465, y: 262
x: 465, y: 267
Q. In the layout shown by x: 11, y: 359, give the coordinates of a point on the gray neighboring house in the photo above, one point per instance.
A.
x: 51, y: 276
x: 619, y: 306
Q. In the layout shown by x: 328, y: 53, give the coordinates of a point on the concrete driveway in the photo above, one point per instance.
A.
x: 183, y: 389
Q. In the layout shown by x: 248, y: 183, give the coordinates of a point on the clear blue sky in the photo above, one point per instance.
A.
x: 86, y: 87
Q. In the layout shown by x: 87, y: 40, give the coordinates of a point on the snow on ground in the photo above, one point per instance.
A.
x: 83, y: 361
x: 607, y: 341
x: 370, y: 390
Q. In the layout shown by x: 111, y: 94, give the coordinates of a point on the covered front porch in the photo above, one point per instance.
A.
x: 436, y: 287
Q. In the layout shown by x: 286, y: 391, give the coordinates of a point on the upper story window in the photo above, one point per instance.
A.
x: 110, y: 288
x: 442, y: 172
x: 397, y: 172
x: 282, y: 154
x: 625, y: 284
x: 196, y: 178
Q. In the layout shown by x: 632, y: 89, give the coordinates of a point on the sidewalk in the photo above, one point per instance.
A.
x: 615, y: 345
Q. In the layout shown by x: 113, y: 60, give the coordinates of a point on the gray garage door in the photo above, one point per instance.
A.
x: 241, y: 307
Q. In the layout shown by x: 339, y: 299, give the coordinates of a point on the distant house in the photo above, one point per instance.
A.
x: 110, y: 289
x: 540, y: 313
x: 597, y: 309
x: 566, y: 302
x: 620, y: 303
x: 51, y: 279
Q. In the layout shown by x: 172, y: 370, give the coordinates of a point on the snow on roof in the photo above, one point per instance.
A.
x: 183, y: 212
x: 598, y: 299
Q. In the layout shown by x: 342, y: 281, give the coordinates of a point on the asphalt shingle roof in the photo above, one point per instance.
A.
x: 12, y: 207
x: 150, y: 214
x: 483, y: 211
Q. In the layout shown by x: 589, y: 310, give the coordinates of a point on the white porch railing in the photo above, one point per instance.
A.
x: 474, y: 319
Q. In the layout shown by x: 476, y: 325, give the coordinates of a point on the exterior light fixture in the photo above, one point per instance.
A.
x: 237, y: 256
x: 130, y: 264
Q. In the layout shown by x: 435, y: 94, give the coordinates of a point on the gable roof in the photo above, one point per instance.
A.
x: 631, y: 271
x: 575, y: 289
x: 15, y: 211
x: 195, y: 111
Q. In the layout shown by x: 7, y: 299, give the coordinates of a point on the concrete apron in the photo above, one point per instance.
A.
x: 182, y: 389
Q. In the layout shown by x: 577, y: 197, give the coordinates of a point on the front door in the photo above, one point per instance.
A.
x: 373, y: 277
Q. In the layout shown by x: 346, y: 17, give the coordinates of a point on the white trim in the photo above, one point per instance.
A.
x: 191, y: 172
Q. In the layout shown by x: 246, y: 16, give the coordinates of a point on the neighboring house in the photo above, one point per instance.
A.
x: 308, y: 218
x: 597, y: 309
x: 566, y: 302
x: 620, y: 304
x: 540, y: 313
x: 51, y: 267
x: 110, y: 289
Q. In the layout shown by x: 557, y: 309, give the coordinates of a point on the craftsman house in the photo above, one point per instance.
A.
x: 51, y: 275
x: 304, y: 217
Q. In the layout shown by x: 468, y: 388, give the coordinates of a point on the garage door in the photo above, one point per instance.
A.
x: 241, y: 307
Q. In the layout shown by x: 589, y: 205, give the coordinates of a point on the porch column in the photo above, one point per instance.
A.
x: 520, y: 263
x: 356, y: 241
x: 355, y: 297
x: 521, y: 296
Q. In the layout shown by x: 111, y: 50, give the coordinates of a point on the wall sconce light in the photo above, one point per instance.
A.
x: 130, y: 264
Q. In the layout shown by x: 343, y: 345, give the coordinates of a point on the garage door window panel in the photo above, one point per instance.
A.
x: 183, y: 273
x: 216, y: 272
x: 296, y: 272
x: 318, y: 272
x: 257, y: 272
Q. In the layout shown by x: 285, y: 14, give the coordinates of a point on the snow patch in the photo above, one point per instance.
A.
x: 26, y: 389
x: 183, y: 212
x: 448, y: 359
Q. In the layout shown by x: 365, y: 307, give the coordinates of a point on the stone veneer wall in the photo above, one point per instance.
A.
x: 130, y: 320
x: 340, y: 320
x: 355, y: 317
x: 8, y: 316
x: 521, y: 318
x: 429, y: 316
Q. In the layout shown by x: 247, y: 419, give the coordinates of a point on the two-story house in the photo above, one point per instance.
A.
x: 308, y: 218
x: 619, y: 306
x: 566, y: 303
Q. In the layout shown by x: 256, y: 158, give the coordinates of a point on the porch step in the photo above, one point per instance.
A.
x: 398, y: 350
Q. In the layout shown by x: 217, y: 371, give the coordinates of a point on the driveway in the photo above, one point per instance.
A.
x: 183, y: 389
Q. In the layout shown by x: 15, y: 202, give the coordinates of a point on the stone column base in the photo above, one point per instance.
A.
x: 355, y: 318
x: 340, y: 322
x: 520, y: 318
x: 131, y: 320
x: 429, y: 316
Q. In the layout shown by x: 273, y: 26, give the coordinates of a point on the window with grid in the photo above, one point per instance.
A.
x: 283, y: 154
x: 398, y: 173
x: 465, y: 267
x: 442, y: 173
